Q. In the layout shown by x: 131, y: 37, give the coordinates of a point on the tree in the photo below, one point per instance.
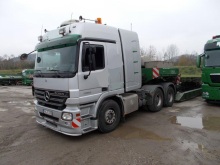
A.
x: 5, y: 57
x: 186, y: 60
x: 151, y: 52
x: 9, y: 62
x: 172, y: 51
x: 143, y: 52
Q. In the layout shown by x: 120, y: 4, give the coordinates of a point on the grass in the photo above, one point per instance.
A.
x: 189, y: 71
x: 190, y: 75
x: 8, y: 72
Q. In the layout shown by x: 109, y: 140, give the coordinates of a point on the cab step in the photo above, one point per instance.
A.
x: 89, y: 129
x: 87, y: 116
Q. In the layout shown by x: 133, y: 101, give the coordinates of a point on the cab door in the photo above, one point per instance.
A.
x: 92, y: 71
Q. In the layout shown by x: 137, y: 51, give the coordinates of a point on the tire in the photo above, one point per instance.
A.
x: 18, y: 83
x: 208, y: 101
x: 109, y: 116
x: 169, y: 97
x: 157, y: 101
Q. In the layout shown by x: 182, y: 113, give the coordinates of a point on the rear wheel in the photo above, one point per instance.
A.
x: 109, y: 116
x: 169, y: 97
x: 157, y: 101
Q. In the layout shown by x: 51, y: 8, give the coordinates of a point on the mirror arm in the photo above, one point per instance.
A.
x: 90, y: 61
x: 90, y: 66
x: 86, y: 76
x: 31, y: 52
x: 201, y: 55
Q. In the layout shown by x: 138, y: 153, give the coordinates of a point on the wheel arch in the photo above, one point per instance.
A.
x: 115, y: 98
x: 152, y: 89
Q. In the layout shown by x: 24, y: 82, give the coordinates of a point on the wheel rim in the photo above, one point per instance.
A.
x: 110, y: 116
x: 170, y: 96
x: 158, y: 100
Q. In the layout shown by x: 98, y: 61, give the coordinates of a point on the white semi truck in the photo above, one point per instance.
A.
x: 88, y: 76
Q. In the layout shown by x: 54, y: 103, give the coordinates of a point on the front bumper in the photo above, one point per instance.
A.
x: 210, y: 93
x: 51, y: 118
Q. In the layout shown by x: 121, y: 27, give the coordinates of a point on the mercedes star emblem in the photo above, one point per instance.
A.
x: 46, y: 96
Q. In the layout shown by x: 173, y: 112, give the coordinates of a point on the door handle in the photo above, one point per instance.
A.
x: 104, y: 89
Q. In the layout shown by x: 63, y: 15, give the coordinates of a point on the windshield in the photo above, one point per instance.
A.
x: 212, y: 58
x: 56, y: 60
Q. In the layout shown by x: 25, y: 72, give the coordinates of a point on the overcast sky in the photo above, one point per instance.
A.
x: 186, y: 23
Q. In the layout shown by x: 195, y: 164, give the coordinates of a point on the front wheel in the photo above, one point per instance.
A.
x: 157, y: 101
x: 109, y: 116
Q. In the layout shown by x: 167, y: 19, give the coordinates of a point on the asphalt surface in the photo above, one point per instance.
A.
x: 188, y: 133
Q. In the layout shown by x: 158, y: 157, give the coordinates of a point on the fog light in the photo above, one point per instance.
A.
x: 67, y: 116
x: 205, y: 94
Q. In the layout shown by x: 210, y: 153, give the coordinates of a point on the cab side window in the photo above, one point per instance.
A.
x: 97, y: 57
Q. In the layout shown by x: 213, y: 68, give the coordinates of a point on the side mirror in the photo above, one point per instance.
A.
x: 198, y: 61
x: 24, y: 56
x: 92, y: 51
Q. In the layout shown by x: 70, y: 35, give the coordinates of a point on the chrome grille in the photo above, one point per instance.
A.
x: 56, y: 99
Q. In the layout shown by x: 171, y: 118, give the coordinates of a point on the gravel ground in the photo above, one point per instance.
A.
x: 187, y: 133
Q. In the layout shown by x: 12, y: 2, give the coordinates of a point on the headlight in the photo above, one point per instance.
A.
x: 67, y: 116
x: 205, y: 94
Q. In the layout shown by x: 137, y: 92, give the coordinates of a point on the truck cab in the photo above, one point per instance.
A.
x: 79, y: 69
x: 209, y: 61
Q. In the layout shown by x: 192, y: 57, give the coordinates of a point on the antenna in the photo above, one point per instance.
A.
x: 41, y: 30
x: 70, y: 22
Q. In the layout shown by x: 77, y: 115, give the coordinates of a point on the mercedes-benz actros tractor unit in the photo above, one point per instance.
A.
x: 88, y: 76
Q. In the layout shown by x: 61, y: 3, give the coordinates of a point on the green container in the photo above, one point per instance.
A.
x: 27, y: 76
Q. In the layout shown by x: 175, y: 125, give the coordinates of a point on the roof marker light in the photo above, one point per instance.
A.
x: 99, y: 21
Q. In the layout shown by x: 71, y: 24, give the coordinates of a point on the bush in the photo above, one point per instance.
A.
x: 189, y: 71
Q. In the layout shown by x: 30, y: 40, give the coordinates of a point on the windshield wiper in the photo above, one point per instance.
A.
x: 70, y: 73
x: 40, y: 74
x: 57, y: 71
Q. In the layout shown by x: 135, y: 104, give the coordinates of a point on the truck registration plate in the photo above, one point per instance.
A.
x: 48, y: 112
